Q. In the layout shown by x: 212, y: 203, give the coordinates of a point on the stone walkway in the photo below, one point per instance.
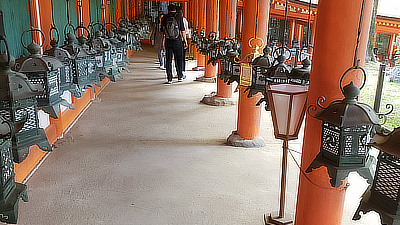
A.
x: 147, y: 153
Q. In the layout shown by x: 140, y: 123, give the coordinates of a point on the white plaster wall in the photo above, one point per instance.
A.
x: 44, y: 119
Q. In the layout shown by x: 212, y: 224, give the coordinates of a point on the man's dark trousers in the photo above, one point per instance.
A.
x: 174, y: 47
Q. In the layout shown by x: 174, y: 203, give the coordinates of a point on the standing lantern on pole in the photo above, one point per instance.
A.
x: 287, y: 103
x: 384, y: 195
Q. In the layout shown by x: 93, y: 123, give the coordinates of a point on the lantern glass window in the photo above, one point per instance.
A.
x: 290, y: 99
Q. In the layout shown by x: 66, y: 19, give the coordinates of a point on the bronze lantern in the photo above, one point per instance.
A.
x: 346, y: 127
x: 384, y: 194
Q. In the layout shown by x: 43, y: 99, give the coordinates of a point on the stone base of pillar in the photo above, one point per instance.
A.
x: 214, y: 100
x: 207, y: 79
x: 235, y: 140
x: 198, y: 68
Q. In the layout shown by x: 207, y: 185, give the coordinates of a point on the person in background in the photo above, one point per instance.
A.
x: 173, y: 31
x: 187, y: 31
x: 156, y: 39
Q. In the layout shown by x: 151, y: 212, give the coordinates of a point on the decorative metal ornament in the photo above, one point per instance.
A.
x: 18, y: 101
x: 44, y: 70
x: 384, y: 194
x: 346, y: 125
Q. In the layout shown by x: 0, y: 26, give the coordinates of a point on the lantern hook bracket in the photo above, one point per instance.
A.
x: 32, y: 29
x: 357, y: 67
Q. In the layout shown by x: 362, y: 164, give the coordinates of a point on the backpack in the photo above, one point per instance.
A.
x: 172, y: 28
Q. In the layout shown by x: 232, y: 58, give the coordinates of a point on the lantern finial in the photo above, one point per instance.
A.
x: 351, y: 92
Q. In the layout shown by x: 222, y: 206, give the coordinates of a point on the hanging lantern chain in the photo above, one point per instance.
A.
x: 52, y: 14
x: 80, y: 12
x: 235, y: 8
x: 30, y: 12
x: 309, y: 24
x: 255, y: 31
x: 68, y: 18
x: 356, y: 60
x: 284, y: 28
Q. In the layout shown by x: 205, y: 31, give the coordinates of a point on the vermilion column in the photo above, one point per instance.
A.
x: 201, y: 7
x: 248, y: 113
x: 118, y: 10
x: 335, y: 42
x: 195, y: 15
x: 211, y: 26
x: 227, y: 28
x: 42, y: 19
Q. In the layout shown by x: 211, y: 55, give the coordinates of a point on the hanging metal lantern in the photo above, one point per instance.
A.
x: 90, y: 55
x: 279, y: 73
x: 246, y: 68
x: 301, y: 75
x: 105, y: 56
x: 384, y: 194
x: 82, y: 63
x: 212, y: 49
x: 66, y: 76
x: 17, y: 100
x: 260, y: 66
x: 346, y: 125
x: 119, y: 48
x: 10, y: 191
x: 44, y: 70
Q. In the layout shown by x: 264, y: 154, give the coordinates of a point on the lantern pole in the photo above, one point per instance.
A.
x: 283, y: 179
x: 285, y: 147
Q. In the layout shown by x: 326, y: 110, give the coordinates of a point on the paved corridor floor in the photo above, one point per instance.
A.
x: 147, y: 153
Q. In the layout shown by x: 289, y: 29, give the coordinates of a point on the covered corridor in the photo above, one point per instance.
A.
x: 149, y: 153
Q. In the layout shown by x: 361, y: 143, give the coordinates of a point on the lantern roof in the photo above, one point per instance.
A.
x: 37, y: 62
x: 14, y: 85
x: 348, y: 112
x: 388, y: 143
x: 60, y: 53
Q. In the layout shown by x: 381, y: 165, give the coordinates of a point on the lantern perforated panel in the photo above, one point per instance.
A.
x: 6, y: 161
x: 330, y: 138
x: 5, y: 110
x: 387, y: 180
x: 81, y: 69
x: 348, y: 144
x: 40, y: 80
x: 31, y: 122
x: 345, y: 146
x: 7, y: 168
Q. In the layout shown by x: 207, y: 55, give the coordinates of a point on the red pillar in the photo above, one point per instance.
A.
x: 227, y: 28
x: 333, y: 55
x: 195, y: 17
x: 201, y: 7
x: 248, y: 113
x: 211, y: 27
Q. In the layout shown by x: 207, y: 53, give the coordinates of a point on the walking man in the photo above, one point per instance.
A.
x: 173, y: 30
